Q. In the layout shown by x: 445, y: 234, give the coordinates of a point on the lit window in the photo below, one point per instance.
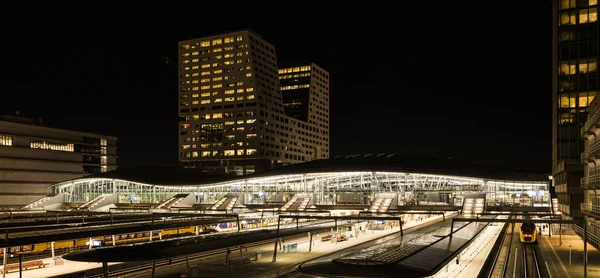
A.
x: 250, y: 97
x: 228, y: 62
x: 229, y: 55
x: 194, y: 88
x: 205, y: 80
x: 567, y: 68
x: 5, y: 140
x: 249, y: 121
x: 185, y: 54
x: 229, y: 122
x: 215, y: 93
x: 241, y: 90
x: 239, y: 129
x: 205, y: 66
x: 205, y: 94
x: 217, y: 78
x: 240, y: 98
x: 50, y: 145
x: 230, y: 137
x: 216, y: 65
x: 205, y: 43
x: 568, y: 18
x: 588, y: 65
x: 247, y: 67
x: 229, y: 48
x: 217, y: 86
x: 248, y: 74
x: 590, y: 2
x: 195, y: 102
x: 217, y: 41
x: 566, y: 4
x: 186, y: 61
x: 217, y: 71
x: 194, y: 67
x: 588, y: 15
x: 195, y: 74
x: 205, y: 73
x: 240, y: 83
x: 207, y: 116
x: 568, y: 101
x: 229, y: 99
x: 206, y: 153
x: 185, y: 46
x: 240, y: 152
x: 252, y: 135
x: 229, y: 92
x: 248, y: 90
x: 250, y: 151
x: 293, y: 87
x: 205, y: 87
x: 239, y: 38
x: 218, y: 100
x: 196, y: 117
x: 218, y: 49
x: 238, y: 61
x: 205, y: 101
x: 217, y: 115
x: 195, y: 53
x: 229, y: 40
x: 239, y: 122
x: 586, y: 98
x: 195, y: 60
x: 239, y: 54
x: 229, y: 152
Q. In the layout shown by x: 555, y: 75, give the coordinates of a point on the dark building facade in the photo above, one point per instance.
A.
x: 33, y: 156
x: 575, y: 83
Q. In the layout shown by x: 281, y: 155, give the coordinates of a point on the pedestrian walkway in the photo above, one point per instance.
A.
x: 558, y: 249
x: 54, y: 270
x: 472, y: 258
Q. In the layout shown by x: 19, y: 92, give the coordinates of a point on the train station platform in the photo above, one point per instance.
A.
x: 556, y: 249
x: 213, y: 266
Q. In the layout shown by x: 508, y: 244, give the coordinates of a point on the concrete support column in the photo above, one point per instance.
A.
x: 52, y: 247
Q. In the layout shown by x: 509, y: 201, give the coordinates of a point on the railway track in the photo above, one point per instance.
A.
x: 531, y: 267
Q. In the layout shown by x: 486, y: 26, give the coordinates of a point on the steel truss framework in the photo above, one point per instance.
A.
x: 329, y: 188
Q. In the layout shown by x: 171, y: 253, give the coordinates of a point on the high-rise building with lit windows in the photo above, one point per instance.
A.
x: 305, y: 90
x: 575, y: 84
x: 33, y: 156
x: 232, y: 111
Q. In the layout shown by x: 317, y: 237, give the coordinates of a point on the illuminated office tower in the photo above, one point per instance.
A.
x: 575, y: 84
x: 305, y: 90
x: 231, y: 108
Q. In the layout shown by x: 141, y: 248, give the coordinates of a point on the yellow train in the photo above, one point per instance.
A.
x: 528, y: 232
x: 106, y: 240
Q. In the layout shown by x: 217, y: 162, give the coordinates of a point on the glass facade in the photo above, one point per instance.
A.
x: 575, y: 84
x: 328, y: 189
x: 576, y: 53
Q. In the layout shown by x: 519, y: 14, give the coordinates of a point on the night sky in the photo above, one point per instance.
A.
x: 471, y: 83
